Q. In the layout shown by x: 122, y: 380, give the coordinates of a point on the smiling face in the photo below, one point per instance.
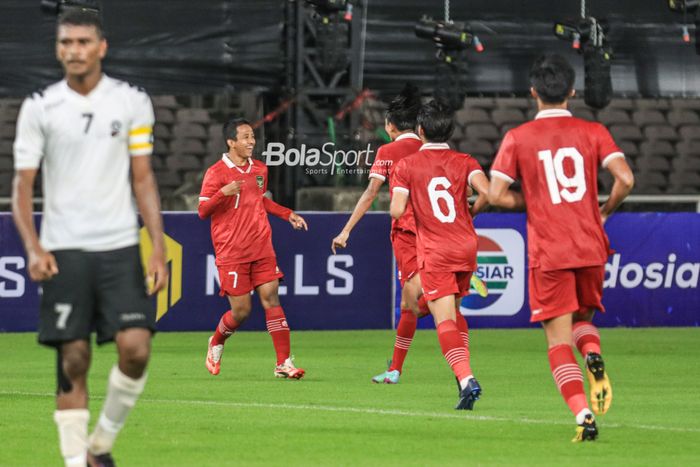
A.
x: 80, y: 49
x: 244, y: 143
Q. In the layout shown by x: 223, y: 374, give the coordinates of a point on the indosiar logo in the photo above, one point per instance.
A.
x: 171, y: 294
x: 501, y: 266
x: 656, y: 275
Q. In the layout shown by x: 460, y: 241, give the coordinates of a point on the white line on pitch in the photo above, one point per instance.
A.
x: 371, y: 411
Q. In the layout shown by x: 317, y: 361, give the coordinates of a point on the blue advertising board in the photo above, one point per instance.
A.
x: 350, y: 290
x: 651, y: 279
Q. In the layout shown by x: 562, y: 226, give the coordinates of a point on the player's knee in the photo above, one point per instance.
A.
x: 240, y: 313
x: 74, y: 363
x: 270, y: 300
x: 135, y: 355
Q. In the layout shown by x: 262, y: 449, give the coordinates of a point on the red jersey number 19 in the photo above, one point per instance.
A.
x: 554, y: 172
x: 437, y: 190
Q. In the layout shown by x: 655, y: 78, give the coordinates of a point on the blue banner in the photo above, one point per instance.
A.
x: 651, y: 280
x: 350, y: 290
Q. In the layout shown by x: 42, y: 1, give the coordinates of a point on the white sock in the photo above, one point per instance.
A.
x: 122, y: 393
x: 581, y: 416
x: 72, y: 435
x: 465, y: 381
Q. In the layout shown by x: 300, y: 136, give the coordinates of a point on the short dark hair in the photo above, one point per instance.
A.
x: 231, y: 128
x: 403, y: 109
x: 436, y: 118
x: 553, y: 78
x: 79, y: 17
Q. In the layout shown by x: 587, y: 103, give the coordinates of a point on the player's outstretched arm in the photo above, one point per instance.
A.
x: 399, y: 200
x: 285, y: 214
x: 502, y: 196
x: 622, y: 186
x: 362, y: 206
x: 481, y: 184
x: 42, y: 264
x: 148, y: 201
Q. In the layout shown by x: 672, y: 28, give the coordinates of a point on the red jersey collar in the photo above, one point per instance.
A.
x: 434, y: 146
x: 229, y: 163
x: 548, y: 113
x: 407, y: 135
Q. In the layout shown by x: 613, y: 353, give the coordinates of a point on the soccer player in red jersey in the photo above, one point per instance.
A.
x: 435, y: 181
x: 233, y: 196
x: 556, y: 158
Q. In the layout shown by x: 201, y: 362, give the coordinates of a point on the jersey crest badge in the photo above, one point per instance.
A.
x: 116, y: 126
x: 259, y: 179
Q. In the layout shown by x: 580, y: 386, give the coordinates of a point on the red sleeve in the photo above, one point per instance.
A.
x: 505, y: 165
x: 400, y: 181
x: 380, y: 167
x: 607, y: 148
x: 210, y: 196
x: 473, y: 168
x: 276, y: 209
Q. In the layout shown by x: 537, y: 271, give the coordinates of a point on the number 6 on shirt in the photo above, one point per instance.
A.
x: 437, y: 190
x: 554, y: 171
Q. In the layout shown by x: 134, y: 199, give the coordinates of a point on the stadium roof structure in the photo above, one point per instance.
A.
x: 183, y: 46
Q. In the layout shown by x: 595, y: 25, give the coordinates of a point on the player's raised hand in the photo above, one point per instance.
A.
x: 341, y: 241
x: 232, y: 188
x: 42, y: 265
x: 297, y: 222
x: 157, y: 273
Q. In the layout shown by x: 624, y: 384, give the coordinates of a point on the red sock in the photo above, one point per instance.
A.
x: 227, y: 326
x: 453, y: 349
x: 463, y: 328
x: 279, y: 331
x: 423, y: 307
x: 586, y: 338
x: 568, y: 377
x: 404, y: 336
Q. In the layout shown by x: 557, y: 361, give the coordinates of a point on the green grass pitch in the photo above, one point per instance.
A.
x: 335, y: 416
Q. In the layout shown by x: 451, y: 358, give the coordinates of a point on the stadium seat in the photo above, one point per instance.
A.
x: 5, y: 183
x: 216, y: 130
x: 679, y: 117
x: 621, y: 104
x: 160, y: 147
x: 689, y: 132
x: 650, y: 182
x: 183, y: 162
x: 164, y: 116
x: 165, y: 101
x: 653, y: 164
x: 472, y: 115
x: 684, y: 182
x: 646, y: 117
x: 480, y: 102
x: 7, y: 130
x: 187, y: 146
x: 162, y: 131
x: 612, y: 116
x: 168, y: 178
x: 626, y: 132
x: 688, y: 148
x: 189, y: 130
x: 685, y: 103
x: 652, y: 104
x: 458, y: 133
x: 521, y: 103
x: 477, y: 148
x: 584, y: 113
x: 6, y: 163
x: 686, y: 164
x: 629, y: 148
x: 509, y: 126
x: 657, y: 148
x: 605, y: 182
x: 660, y: 132
x: 504, y: 116
x: 9, y: 113
x: 482, y: 131
x: 6, y: 148
x: 193, y: 115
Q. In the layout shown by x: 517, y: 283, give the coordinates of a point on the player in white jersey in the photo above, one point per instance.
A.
x: 92, y: 135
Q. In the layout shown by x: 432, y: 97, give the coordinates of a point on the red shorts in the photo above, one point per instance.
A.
x: 441, y: 284
x: 556, y: 293
x: 240, y: 279
x: 404, y: 245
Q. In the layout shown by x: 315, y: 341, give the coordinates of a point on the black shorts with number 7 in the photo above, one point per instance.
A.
x: 104, y: 291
